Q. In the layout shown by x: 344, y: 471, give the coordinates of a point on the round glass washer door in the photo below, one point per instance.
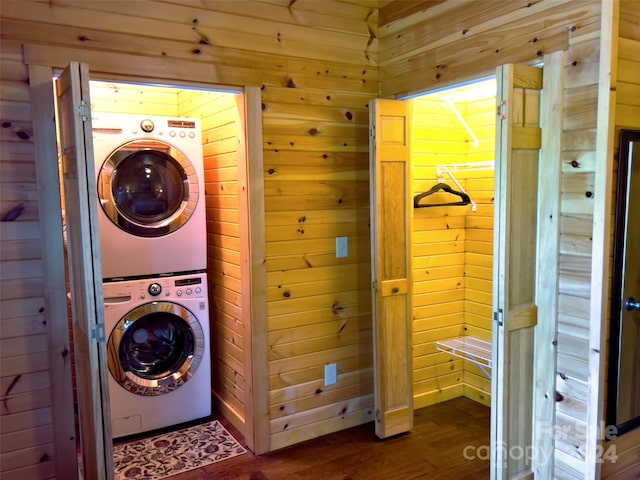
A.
x: 147, y: 188
x: 155, y: 348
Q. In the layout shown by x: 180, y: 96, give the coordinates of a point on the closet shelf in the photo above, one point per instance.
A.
x: 468, y: 348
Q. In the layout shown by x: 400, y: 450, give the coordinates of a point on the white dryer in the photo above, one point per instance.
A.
x: 150, y: 186
x: 158, y: 352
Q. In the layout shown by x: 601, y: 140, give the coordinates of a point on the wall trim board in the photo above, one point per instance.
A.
x: 126, y: 67
x: 549, y: 184
x: 235, y: 418
x: 127, y: 64
x: 600, y: 253
x: 256, y: 371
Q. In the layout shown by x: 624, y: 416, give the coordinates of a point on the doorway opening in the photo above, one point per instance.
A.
x: 453, y: 151
x: 222, y: 117
x: 453, y: 143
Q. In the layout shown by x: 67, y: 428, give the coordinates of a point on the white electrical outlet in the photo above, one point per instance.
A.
x: 342, y: 247
x: 330, y: 374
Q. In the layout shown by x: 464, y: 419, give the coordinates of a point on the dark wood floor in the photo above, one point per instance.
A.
x: 434, y: 450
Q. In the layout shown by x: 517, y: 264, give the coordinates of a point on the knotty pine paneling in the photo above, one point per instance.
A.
x: 203, y: 26
x: 316, y: 186
x: 576, y: 207
x: 481, y: 118
x: 482, y: 37
x: 133, y: 99
x: 452, y: 264
x: 438, y: 232
x: 221, y: 127
x: 26, y: 423
x: 316, y: 54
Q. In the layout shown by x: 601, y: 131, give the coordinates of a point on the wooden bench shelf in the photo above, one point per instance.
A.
x: 468, y: 348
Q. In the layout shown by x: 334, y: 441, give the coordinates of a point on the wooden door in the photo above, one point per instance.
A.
x: 514, y: 296
x: 391, y: 210
x: 85, y: 271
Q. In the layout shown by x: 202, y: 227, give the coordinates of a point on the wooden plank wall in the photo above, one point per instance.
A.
x: 576, y: 229
x: 627, y: 447
x: 478, y: 312
x: 317, y: 65
x: 219, y: 116
x: 319, y: 306
x: 427, y: 50
x: 26, y: 420
x: 438, y: 255
x: 453, y: 248
x: 111, y: 97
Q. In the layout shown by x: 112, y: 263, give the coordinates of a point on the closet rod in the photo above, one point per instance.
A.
x: 469, y: 167
x: 463, y: 122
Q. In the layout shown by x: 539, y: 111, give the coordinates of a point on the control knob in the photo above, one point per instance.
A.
x: 155, y: 289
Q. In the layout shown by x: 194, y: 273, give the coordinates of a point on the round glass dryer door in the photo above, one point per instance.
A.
x: 148, y: 188
x: 155, y: 348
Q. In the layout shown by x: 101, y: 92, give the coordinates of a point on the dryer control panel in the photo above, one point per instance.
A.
x: 106, y: 126
x: 159, y: 288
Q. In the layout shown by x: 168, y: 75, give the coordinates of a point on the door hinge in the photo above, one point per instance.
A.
x: 372, y: 132
x: 375, y: 285
x: 82, y: 111
x: 498, y: 317
x: 501, y: 110
x: 378, y: 417
x: 97, y: 333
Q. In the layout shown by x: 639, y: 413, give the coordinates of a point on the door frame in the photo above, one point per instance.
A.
x: 43, y: 64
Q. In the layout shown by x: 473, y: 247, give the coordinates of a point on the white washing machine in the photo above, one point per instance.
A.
x: 150, y: 186
x: 158, y: 352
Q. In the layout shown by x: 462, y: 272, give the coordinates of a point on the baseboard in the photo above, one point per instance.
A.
x: 437, y: 396
x: 317, y: 429
x: 477, y: 395
x: 231, y: 414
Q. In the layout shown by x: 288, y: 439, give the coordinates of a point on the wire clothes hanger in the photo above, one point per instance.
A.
x: 464, y: 198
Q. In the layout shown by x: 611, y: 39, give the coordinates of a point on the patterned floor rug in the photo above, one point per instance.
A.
x: 175, y: 452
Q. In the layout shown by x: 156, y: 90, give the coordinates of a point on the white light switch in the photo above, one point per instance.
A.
x: 342, y: 247
x: 330, y: 374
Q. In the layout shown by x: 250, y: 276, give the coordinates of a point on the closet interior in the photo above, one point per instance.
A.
x: 453, y: 152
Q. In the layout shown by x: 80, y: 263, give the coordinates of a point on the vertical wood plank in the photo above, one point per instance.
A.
x: 600, y: 252
x: 258, y: 378
x: 549, y: 247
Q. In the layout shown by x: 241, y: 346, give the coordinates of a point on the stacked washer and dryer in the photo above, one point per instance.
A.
x: 150, y: 186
